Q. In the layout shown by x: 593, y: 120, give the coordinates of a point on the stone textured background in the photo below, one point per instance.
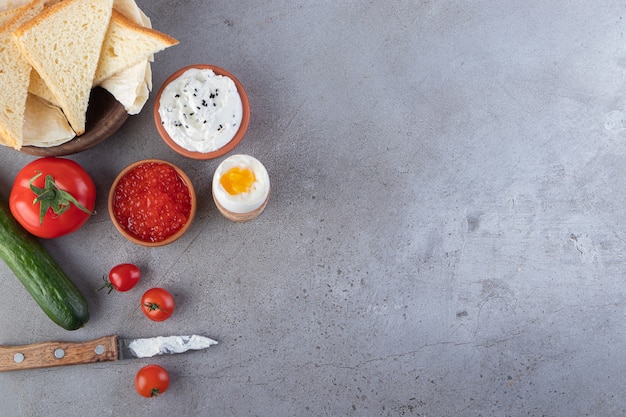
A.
x: 445, y: 235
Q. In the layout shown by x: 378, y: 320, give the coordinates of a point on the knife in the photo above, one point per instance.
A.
x: 108, y: 348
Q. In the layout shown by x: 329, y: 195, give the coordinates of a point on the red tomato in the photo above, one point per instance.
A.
x: 157, y: 304
x: 52, y: 197
x: 152, y: 380
x: 122, y: 277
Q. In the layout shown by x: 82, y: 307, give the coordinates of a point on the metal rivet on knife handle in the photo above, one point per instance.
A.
x: 99, y: 350
x: 59, y: 353
x: 18, y: 357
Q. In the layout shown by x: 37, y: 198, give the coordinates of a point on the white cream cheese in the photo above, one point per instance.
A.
x: 145, y: 348
x: 244, y: 202
x: 200, y: 110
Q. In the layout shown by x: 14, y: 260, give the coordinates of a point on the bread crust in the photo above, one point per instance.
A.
x: 163, y: 37
x: 41, y: 16
x: 79, y: 59
x: 14, y: 78
x: 151, y: 41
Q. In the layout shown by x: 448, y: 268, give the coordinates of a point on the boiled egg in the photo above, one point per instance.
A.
x: 241, y: 184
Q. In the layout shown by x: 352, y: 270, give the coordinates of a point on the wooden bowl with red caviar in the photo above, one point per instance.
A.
x: 196, y: 105
x: 152, y: 202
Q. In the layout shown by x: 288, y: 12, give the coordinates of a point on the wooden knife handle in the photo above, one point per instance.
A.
x: 47, y: 354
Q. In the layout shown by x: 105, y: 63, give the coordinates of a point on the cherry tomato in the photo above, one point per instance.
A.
x: 157, y: 304
x: 151, y: 381
x: 52, y: 197
x: 122, y: 277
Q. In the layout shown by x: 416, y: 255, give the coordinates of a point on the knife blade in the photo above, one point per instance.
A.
x: 107, y: 348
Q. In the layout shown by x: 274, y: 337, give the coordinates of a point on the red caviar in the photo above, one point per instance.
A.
x: 152, y: 202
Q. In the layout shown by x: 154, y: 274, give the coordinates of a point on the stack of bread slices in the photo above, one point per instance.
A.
x: 53, y: 52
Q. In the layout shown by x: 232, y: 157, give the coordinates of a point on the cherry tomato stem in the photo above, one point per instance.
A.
x: 154, y: 306
x: 157, y: 304
x: 107, y: 284
x: 151, y: 381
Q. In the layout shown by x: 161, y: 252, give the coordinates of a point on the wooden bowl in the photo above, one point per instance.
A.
x: 135, y: 239
x: 243, y: 127
x: 105, y: 116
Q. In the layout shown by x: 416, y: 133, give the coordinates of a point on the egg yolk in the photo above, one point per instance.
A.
x: 237, y: 180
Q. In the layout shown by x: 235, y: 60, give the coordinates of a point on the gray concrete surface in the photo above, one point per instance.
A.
x: 445, y: 235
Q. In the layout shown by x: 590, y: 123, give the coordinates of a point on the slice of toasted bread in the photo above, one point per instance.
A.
x: 14, y: 78
x: 132, y: 86
x: 127, y: 43
x: 63, y: 45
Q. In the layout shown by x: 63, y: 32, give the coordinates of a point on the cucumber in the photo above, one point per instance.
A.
x: 51, y: 288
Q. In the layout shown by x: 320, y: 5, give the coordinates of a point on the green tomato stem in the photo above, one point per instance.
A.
x: 154, y: 306
x: 52, y: 197
x: 107, y: 284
